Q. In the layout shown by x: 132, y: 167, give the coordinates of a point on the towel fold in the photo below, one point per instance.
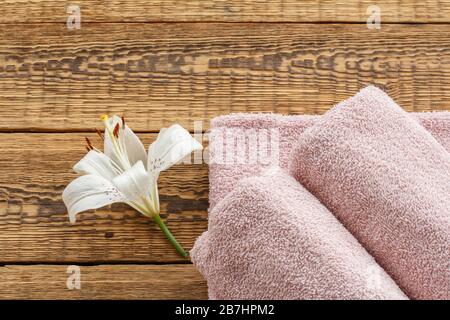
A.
x: 387, y: 180
x: 270, y: 238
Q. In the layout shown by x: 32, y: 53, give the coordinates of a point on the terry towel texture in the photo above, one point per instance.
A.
x: 271, y: 239
x: 231, y: 132
x: 388, y: 181
x: 232, y: 136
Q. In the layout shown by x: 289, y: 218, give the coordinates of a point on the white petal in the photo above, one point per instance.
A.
x: 171, y: 146
x: 134, y: 183
x: 89, y: 192
x: 132, y: 147
x: 97, y: 163
x: 108, y: 147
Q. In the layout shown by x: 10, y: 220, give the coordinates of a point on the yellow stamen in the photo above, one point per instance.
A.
x: 104, y: 117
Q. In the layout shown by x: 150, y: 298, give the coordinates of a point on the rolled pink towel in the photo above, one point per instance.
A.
x: 387, y: 179
x: 270, y: 238
x: 233, y: 132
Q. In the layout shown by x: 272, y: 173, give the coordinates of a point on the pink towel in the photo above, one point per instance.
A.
x: 270, y: 238
x: 388, y: 181
x: 227, y: 133
x: 234, y: 135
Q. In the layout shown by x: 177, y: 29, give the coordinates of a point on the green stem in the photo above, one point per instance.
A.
x: 169, y: 235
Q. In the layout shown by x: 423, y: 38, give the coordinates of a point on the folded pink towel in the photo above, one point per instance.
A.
x: 233, y: 136
x: 230, y: 132
x: 388, y: 181
x: 270, y: 238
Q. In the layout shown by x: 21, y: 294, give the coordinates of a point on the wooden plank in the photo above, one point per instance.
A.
x: 55, y: 80
x: 225, y: 10
x: 103, y: 282
x: 34, y: 225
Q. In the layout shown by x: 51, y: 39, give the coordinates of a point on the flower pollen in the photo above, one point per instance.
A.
x: 116, y: 131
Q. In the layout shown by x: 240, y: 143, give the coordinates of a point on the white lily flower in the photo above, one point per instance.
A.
x: 124, y: 172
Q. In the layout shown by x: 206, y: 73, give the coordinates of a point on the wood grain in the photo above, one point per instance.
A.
x: 164, y: 61
x: 55, y: 80
x: 25, y: 11
x: 103, y: 282
x: 34, y: 226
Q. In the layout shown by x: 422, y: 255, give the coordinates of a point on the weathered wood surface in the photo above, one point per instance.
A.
x: 164, y: 61
x: 34, y: 225
x: 52, y: 79
x: 103, y: 282
x: 25, y: 11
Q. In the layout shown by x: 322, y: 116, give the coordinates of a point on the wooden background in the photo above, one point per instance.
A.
x: 164, y: 61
